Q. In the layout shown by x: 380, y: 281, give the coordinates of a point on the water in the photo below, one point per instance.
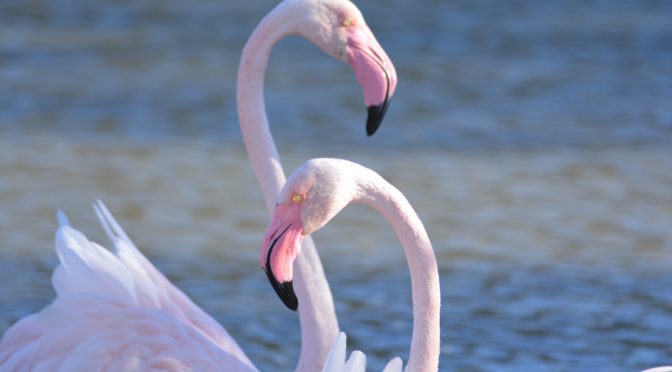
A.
x: 533, y: 139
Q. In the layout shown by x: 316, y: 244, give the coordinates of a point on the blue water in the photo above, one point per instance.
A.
x: 533, y: 139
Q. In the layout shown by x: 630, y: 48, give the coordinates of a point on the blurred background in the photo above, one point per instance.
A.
x: 533, y: 138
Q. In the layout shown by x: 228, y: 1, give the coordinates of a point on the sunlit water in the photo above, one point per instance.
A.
x: 532, y: 138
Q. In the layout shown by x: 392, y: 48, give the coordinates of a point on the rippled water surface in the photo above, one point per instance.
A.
x: 533, y: 139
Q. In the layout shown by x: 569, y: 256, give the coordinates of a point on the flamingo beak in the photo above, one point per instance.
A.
x: 374, y: 71
x: 280, y: 247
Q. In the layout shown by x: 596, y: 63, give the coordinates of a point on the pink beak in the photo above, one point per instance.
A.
x: 279, y: 249
x: 374, y: 71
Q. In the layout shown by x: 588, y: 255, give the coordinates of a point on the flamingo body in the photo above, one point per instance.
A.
x: 116, y: 311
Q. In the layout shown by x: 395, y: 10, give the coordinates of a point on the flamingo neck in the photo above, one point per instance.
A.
x: 426, y: 295
x: 317, y: 316
x: 251, y: 106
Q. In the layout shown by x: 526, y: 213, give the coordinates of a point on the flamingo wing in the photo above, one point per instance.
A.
x: 116, y: 311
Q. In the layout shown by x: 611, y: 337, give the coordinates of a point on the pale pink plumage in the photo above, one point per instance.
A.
x: 326, y: 186
x: 339, y: 29
x: 116, y: 311
x: 131, y: 300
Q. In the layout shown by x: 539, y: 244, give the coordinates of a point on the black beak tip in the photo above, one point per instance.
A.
x: 288, y: 296
x: 284, y: 290
x: 375, y: 117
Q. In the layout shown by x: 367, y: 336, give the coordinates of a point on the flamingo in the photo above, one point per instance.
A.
x: 119, y: 312
x: 116, y: 312
x: 314, y: 194
x: 339, y: 29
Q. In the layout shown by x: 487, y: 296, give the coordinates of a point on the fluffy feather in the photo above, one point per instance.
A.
x: 356, y: 363
x: 116, y: 312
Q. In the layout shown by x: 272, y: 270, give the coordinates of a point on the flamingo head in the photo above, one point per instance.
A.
x: 339, y: 29
x: 313, y: 194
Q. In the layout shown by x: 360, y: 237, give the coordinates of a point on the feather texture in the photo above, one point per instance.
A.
x: 115, y: 311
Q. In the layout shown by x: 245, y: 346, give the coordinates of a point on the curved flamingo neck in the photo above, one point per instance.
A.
x: 251, y: 106
x: 391, y: 203
x: 317, y: 316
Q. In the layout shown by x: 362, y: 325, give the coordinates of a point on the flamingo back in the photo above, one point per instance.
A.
x: 116, y: 311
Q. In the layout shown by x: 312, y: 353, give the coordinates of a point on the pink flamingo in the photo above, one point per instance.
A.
x: 116, y: 311
x: 314, y: 194
x: 339, y: 29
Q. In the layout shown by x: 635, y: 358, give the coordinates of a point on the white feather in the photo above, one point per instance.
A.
x: 115, y: 312
x: 394, y: 365
x: 336, y: 358
x: 356, y: 362
x: 87, y: 268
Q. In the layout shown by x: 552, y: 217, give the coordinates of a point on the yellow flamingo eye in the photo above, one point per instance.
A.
x: 297, y: 198
x: 347, y: 22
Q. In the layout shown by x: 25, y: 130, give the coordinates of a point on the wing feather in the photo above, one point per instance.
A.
x: 115, y: 310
